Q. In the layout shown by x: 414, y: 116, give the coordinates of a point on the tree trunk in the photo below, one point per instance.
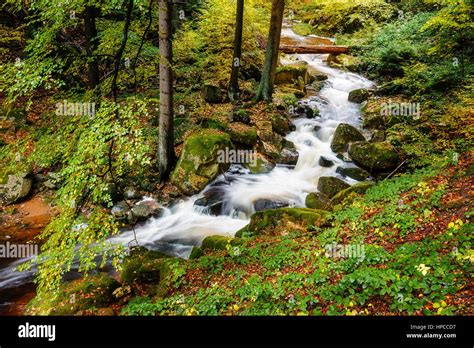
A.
x: 265, y: 89
x: 236, y: 61
x: 91, y: 46
x: 166, y: 153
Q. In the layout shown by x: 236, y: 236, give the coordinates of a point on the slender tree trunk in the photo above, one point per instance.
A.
x: 265, y: 89
x: 166, y: 153
x: 236, y: 62
x: 91, y: 46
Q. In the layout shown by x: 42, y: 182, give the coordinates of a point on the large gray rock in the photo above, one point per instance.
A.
x: 330, y: 185
x: 359, y: 95
x: 343, y: 136
x: 17, y: 187
x: 376, y: 157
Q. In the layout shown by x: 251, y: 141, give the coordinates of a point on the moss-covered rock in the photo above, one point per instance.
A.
x: 196, y: 253
x: 142, y: 265
x: 374, y: 122
x: 357, y: 189
x: 374, y: 156
x: 359, y: 95
x: 280, y: 124
x: 318, y: 200
x: 289, y: 74
x: 353, y: 173
x: 16, y: 188
x: 77, y: 296
x: 283, y: 220
x: 243, y: 134
x: 330, y: 185
x: 198, y: 163
x: 343, y: 136
x: 219, y: 242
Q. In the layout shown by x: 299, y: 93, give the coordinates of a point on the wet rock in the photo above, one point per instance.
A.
x: 212, y: 94
x: 343, y: 136
x: 212, y: 201
x: 353, y: 173
x: 289, y: 74
x: 17, y: 187
x: 374, y: 156
x: 144, y: 210
x: 330, y: 185
x: 243, y: 134
x: 325, y: 162
x: 359, y: 95
x: 318, y: 200
x: 280, y: 124
x: 198, y: 163
x: 288, y: 154
x: 283, y: 220
x: 265, y: 204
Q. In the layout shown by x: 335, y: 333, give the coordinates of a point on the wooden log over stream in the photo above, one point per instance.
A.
x: 317, y: 49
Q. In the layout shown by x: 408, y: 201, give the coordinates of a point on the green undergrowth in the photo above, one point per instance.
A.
x: 401, y: 262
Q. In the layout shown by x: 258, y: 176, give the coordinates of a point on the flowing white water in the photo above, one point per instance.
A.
x: 184, y: 224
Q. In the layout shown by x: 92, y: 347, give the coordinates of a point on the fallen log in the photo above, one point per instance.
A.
x: 319, y: 49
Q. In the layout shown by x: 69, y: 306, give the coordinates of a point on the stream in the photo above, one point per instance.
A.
x: 185, y: 225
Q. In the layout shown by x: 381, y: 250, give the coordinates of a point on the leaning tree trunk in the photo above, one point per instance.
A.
x: 236, y: 62
x: 91, y: 46
x: 265, y: 89
x: 166, y: 132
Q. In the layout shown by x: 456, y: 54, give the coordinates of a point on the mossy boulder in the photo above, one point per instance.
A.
x: 77, y: 296
x: 356, y: 189
x: 374, y: 122
x: 280, y: 124
x: 343, y: 136
x: 219, y: 242
x: 283, y: 220
x: 16, y: 188
x: 359, y: 95
x: 353, y: 173
x: 142, y: 265
x: 243, y: 134
x: 198, y: 163
x: 318, y: 200
x: 330, y: 185
x: 376, y: 157
x: 290, y: 74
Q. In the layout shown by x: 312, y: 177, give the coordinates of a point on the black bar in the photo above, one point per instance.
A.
x: 241, y: 331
